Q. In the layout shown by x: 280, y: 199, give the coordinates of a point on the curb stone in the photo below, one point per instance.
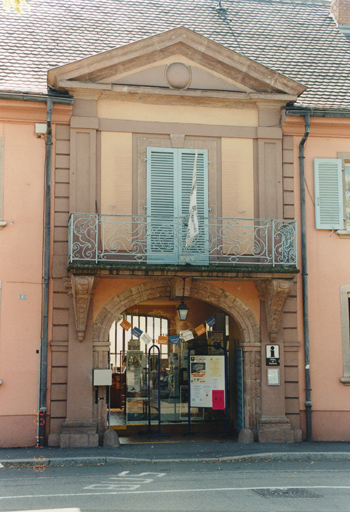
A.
x: 94, y: 461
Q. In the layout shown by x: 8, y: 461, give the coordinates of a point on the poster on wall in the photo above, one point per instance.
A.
x: 174, y: 375
x: 134, y: 345
x: 207, y: 375
x: 216, y: 338
x: 134, y: 359
x: 133, y: 370
x: 196, y: 412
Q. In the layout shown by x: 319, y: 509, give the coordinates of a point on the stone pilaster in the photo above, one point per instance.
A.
x: 252, y: 385
x: 273, y: 424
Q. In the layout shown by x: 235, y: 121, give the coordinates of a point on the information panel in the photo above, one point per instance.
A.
x: 207, y: 381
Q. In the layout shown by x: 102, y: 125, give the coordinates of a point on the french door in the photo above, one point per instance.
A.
x: 169, y: 184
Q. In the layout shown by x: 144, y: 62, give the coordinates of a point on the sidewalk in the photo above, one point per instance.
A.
x: 168, y: 450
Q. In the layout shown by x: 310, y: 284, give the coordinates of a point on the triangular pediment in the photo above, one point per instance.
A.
x: 179, y: 59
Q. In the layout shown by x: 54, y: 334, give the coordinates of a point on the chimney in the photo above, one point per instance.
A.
x: 341, y: 12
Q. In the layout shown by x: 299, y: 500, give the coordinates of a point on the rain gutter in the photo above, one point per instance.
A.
x: 38, y: 98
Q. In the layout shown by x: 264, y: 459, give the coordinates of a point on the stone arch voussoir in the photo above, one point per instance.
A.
x: 161, y: 288
x: 211, y: 294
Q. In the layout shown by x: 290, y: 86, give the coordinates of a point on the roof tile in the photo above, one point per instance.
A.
x: 296, y: 38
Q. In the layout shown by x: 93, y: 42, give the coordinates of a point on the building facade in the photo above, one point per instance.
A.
x: 128, y: 251
x: 149, y: 120
x: 22, y: 186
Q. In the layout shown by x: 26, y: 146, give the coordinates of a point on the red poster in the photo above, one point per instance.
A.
x: 218, y: 399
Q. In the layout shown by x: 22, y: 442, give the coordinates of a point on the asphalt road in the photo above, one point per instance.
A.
x: 256, y: 486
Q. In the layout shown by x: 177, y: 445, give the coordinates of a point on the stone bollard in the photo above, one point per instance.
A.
x: 111, y: 439
x: 246, y: 436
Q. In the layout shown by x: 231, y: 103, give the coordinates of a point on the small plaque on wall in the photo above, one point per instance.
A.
x: 272, y: 355
x: 273, y: 376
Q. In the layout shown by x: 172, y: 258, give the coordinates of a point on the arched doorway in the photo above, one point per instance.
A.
x: 206, y: 297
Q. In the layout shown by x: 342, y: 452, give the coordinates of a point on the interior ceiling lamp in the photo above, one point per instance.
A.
x: 182, y: 309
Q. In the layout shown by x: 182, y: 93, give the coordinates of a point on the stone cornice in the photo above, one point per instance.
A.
x: 32, y: 112
x: 334, y: 127
x: 241, y: 274
x: 184, y: 97
x: 177, y: 43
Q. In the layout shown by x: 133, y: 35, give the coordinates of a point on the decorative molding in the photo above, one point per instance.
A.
x: 81, y: 289
x: 177, y: 140
x: 178, y: 75
x: 274, y: 293
x: 179, y: 44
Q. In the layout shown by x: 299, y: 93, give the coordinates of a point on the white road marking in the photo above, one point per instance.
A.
x: 54, y: 510
x: 172, y: 491
x: 125, y: 482
x: 126, y: 473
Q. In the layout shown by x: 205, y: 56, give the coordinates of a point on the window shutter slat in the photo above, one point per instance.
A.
x: 169, y: 184
x: 161, y: 206
x: 200, y: 243
x: 328, y: 193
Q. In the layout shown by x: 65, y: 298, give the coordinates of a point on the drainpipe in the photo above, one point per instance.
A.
x: 42, y: 398
x: 308, y: 403
x: 45, y: 319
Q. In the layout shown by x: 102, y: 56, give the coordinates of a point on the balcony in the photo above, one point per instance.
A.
x: 142, y: 239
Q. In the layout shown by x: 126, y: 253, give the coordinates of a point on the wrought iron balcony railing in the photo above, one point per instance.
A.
x: 130, y: 239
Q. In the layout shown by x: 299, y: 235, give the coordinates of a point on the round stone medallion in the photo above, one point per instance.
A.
x: 178, y: 75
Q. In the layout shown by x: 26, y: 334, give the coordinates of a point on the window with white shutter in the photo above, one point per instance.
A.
x: 2, y: 222
x: 169, y: 183
x: 329, y: 209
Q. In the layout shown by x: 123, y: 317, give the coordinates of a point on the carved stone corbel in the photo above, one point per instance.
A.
x: 274, y: 293
x: 81, y: 290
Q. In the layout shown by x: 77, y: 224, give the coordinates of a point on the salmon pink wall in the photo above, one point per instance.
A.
x: 21, y: 275
x: 109, y: 288
x: 328, y: 270
x: 244, y: 290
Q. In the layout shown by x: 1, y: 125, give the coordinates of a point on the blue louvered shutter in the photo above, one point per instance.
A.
x: 329, y: 210
x: 161, y: 205
x: 169, y: 183
x: 198, y: 252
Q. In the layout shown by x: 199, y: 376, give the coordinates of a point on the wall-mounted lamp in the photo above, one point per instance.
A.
x: 182, y: 311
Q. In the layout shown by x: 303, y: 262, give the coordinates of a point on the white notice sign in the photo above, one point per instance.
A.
x: 207, y: 373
